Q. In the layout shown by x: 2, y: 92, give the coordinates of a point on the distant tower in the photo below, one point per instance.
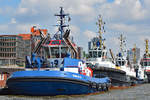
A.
x: 133, y: 54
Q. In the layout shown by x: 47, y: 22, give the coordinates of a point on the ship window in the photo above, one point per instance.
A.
x: 94, y: 54
x: 90, y: 54
x: 148, y: 63
x: 47, y: 52
x: 145, y: 63
x: 64, y: 52
x: 99, y: 54
x: 119, y: 62
x: 55, y: 52
x: 103, y: 54
x: 123, y: 62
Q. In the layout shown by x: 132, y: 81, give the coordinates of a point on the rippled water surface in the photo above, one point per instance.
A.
x: 141, y: 92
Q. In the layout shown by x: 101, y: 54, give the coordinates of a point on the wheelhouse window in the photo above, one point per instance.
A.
x: 120, y: 62
x: 90, y: 54
x: 94, y: 54
x: 123, y: 62
x: 64, y: 52
x: 103, y: 54
x: 148, y: 63
x: 145, y: 63
x: 47, y: 52
x: 99, y: 54
x: 54, y: 52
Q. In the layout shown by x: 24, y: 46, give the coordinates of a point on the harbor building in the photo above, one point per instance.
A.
x: 12, y: 53
x: 133, y: 53
x: 11, y: 50
x: 35, y: 39
x: 14, y: 48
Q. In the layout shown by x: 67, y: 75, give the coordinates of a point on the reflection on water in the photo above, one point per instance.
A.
x: 141, y: 92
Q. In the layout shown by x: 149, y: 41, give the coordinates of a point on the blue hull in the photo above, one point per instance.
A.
x: 52, y: 83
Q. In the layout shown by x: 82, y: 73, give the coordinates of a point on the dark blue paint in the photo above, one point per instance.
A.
x: 52, y: 87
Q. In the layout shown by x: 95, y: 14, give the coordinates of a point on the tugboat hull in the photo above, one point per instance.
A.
x: 48, y: 87
x: 118, y: 77
x: 148, y: 76
x: 52, y: 83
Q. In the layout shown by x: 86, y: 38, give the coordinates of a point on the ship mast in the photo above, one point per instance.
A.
x: 147, y: 49
x: 101, y: 30
x: 134, y: 55
x: 61, y: 20
x: 122, y: 44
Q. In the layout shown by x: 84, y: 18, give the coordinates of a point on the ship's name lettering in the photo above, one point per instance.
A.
x: 76, y: 76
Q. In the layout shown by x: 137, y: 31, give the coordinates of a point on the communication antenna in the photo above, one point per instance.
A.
x: 122, y: 44
x: 62, y: 18
x: 134, y: 54
x: 101, y: 30
x: 147, y: 48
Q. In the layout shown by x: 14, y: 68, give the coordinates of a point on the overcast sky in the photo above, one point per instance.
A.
x: 128, y: 17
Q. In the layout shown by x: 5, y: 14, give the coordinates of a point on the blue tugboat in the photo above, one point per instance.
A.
x: 60, y: 72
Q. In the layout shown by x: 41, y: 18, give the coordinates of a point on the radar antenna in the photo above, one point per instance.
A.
x: 122, y: 44
x: 61, y: 25
x: 101, y: 30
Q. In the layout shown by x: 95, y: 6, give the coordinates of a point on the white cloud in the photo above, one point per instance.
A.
x: 138, y: 12
x: 75, y: 31
x: 144, y: 37
x: 117, y: 2
x: 13, y: 21
x: 45, y: 8
x: 89, y: 34
x: 22, y: 11
x: 123, y: 27
x: 3, y: 28
x: 15, y: 28
x: 124, y: 10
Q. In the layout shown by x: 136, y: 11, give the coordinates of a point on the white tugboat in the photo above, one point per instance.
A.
x: 123, y: 64
x: 100, y: 63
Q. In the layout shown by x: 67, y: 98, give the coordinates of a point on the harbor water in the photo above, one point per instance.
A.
x: 140, y: 92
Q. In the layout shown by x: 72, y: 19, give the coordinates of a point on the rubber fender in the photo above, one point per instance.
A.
x: 90, y: 84
x: 99, y: 87
x: 93, y: 85
x: 109, y: 84
x: 104, y: 87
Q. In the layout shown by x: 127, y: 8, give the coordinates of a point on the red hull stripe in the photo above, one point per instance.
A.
x: 147, y: 70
